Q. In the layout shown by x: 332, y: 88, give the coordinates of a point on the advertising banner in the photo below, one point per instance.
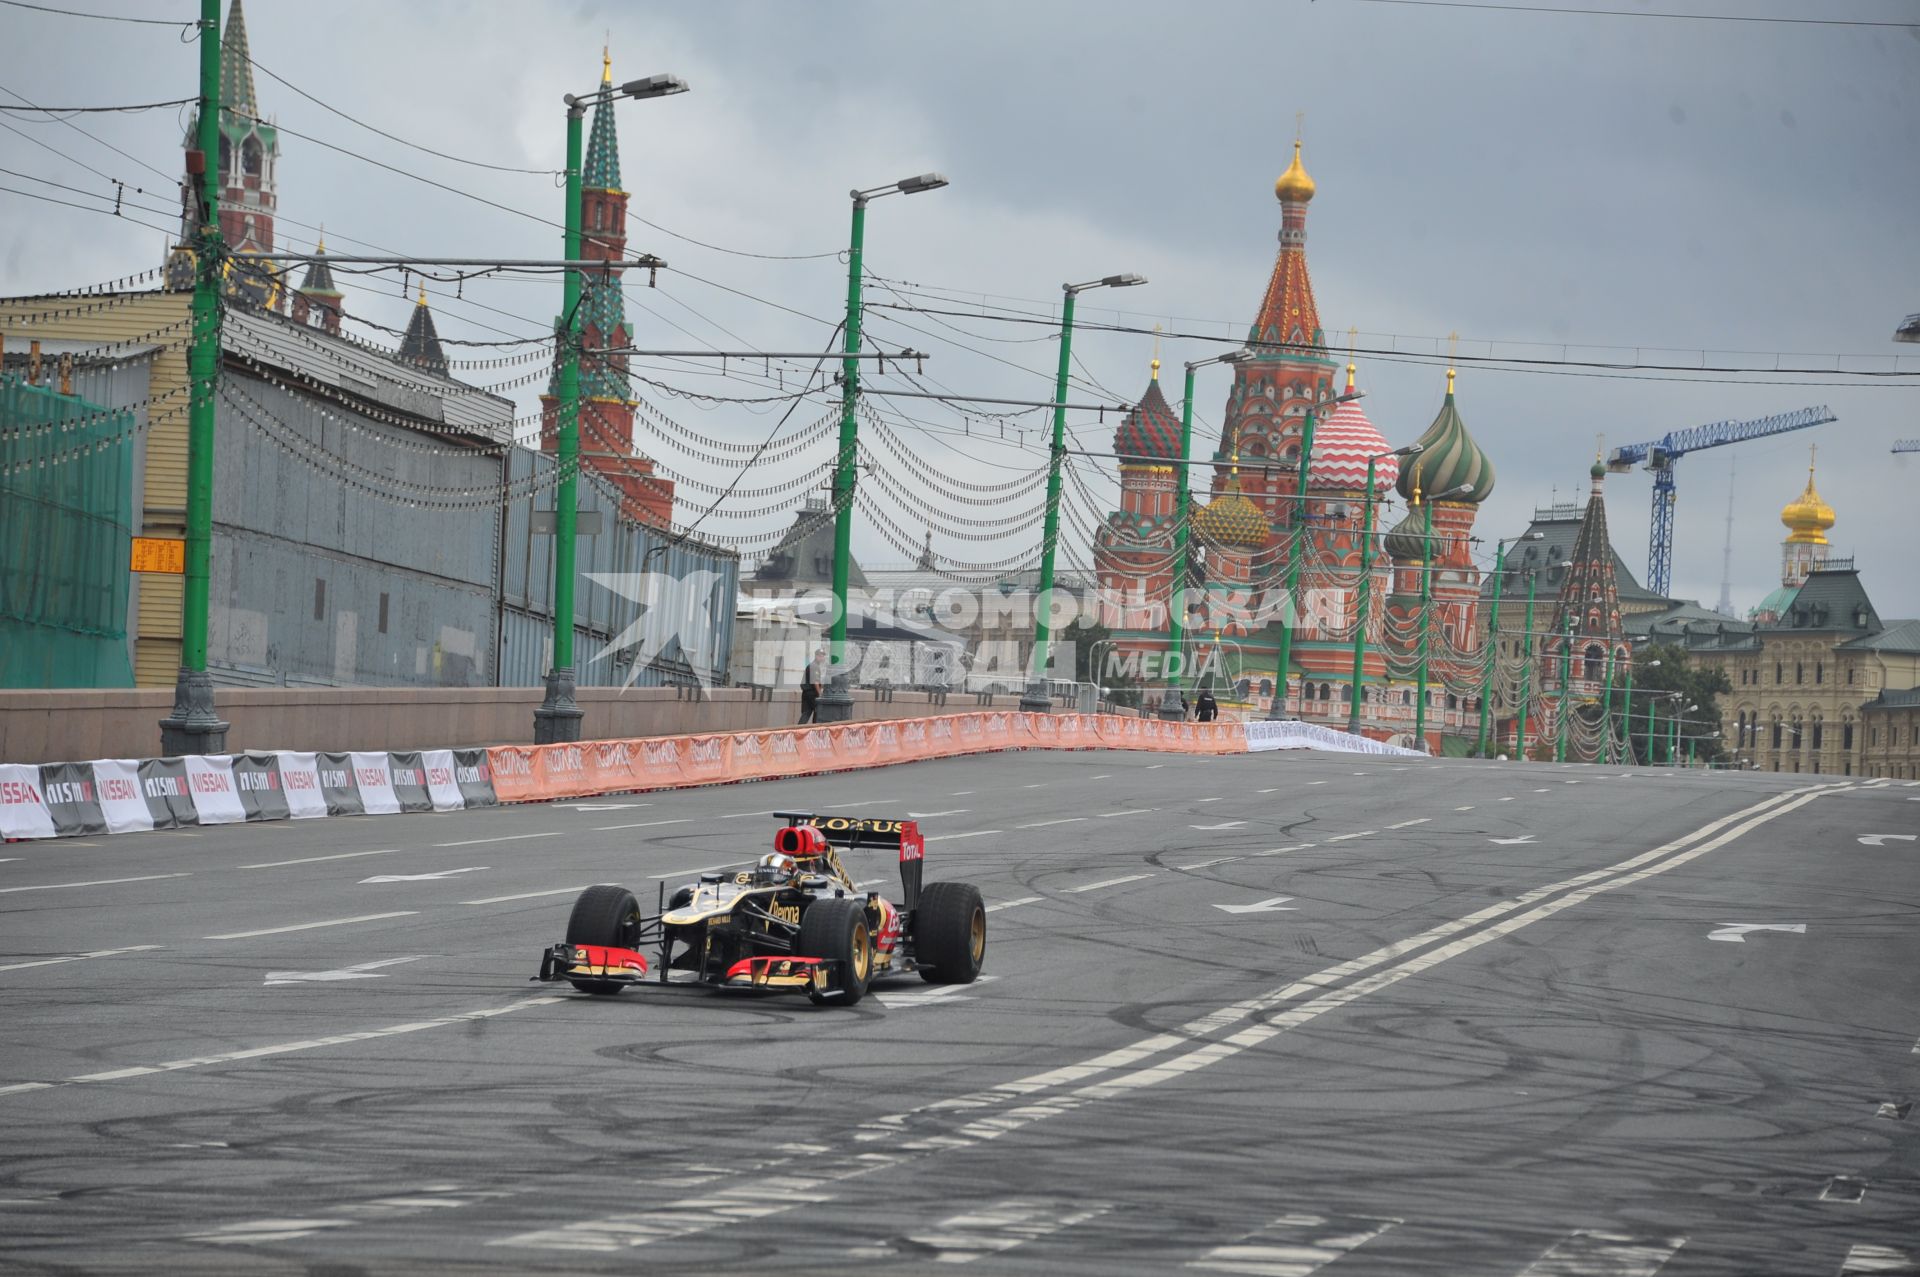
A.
x: 300, y: 782
x: 163, y: 783
x: 407, y: 776
x: 473, y: 773
x: 263, y: 796
x: 216, y: 797
x: 337, y: 785
x: 23, y: 810
x: 116, y: 782
x: 443, y: 791
x: 71, y: 799
x: 371, y: 774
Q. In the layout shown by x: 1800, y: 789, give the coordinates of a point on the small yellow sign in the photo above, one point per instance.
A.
x: 160, y: 554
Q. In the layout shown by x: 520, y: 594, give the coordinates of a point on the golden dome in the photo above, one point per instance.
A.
x: 1230, y: 519
x: 1294, y: 185
x: 1807, y: 517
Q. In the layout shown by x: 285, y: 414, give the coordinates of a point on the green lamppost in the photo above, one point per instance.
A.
x: 1526, y: 670
x: 1036, y: 699
x: 836, y: 702
x: 1652, y: 702
x: 1296, y: 522
x: 1426, y: 609
x: 1606, y: 710
x: 559, y: 715
x: 1566, y: 678
x: 1170, y: 709
x: 1673, y: 742
x: 1366, y: 589
x: 1493, y: 630
x: 193, y: 727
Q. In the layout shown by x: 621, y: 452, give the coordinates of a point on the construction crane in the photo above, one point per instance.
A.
x: 1660, y: 454
x: 1906, y: 445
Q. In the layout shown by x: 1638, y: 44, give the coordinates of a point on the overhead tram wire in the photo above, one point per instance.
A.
x: 184, y: 26
x: 90, y: 137
x: 96, y: 110
x: 1642, y: 13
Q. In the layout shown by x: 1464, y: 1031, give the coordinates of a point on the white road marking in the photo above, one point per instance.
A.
x: 1000, y: 1226
x: 426, y: 877
x: 284, y: 1048
x: 19, y: 1087
x: 1015, y: 904
x: 1225, y: 824
x: 1266, y: 791
x: 1592, y: 1254
x: 1035, y: 785
x: 1316, y: 782
x: 1878, y: 1259
x: 697, y: 869
x: 1364, y: 833
x: 928, y: 995
x: 1042, y: 824
x: 1737, y: 931
x: 1131, y: 811
x: 1507, y: 799
x: 1096, y: 886
x: 1894, y: 1112
x: 259, y: 1232
x: 97, y: 882
x: 80, y: 957
x: 1880, y: 840
x: 475, y: 842
x: 1154, y: 767
x: 1281, y: 851
x: 1208, y: 864
x: 1293, y: 1246
x: 638, y: 824
x: 1206, y: 800
x: 1273, y: 904
x: 358, y: 971
x: 960, y: 793
x: 1512, y: 842
x: 978, y: 833
x: 602, y: 806
x: 1408, y: 824
x: 525, y: 895
x: 1463, y: 809
x: 1101, y: 776
x: 929, y: 815
x: 1844, y: 1188
x: 311, y: 926
x: 314, y: 860
x: 1543, y: 791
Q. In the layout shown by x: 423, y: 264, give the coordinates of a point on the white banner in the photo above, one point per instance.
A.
x: 117, y: 783
x: 23, y: 809
x: 216, y: 799
x: 371, y: 774
x: 1287, y: 734
x: 441, y: 786
x: 300, y: 779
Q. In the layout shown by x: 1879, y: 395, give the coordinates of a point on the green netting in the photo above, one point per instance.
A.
x: 66, y: 508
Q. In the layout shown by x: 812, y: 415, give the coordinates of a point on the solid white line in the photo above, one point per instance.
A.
x: 975, y: 834
x: 1407, y: 824
x: 312, y: 926
x: 1364, y: 833
x: 1131, y: 811
x: 97, y: 882
x: 1042, y: 824
x: 313, y: 860
x: 1111, y: 882
x: 525, y: 895
x: 643, y: 824
x: 1015, y: 904
x: 79, y: 957
x: 475, y: 842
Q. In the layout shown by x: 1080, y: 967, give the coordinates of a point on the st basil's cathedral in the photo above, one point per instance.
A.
x: 1238, y: 557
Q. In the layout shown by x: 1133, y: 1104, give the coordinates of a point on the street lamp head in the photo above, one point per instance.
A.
x: 654, y: 86
x: 924, y: 182
x: 1450, y: 493
x: 1123, y: 281
x: 1411, y: 450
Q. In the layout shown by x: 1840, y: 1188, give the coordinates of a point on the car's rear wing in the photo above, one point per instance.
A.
x: 853, y: 832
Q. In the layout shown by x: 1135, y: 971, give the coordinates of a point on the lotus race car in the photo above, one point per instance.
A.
x: 796, y: 920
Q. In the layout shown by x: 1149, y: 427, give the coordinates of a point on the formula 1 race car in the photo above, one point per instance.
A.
x: 796, y: 920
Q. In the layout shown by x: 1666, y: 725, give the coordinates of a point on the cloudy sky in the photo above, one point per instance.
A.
x: 1633, y: 190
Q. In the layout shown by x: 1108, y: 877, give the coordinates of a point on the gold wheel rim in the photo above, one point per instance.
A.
x: 862, y: 957
x: 977, y: 939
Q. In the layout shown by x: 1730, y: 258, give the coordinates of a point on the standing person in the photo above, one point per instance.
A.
x: 1206, y: 709
x: 810, y: 688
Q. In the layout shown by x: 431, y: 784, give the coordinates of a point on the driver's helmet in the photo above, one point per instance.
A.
x: 777, y: 866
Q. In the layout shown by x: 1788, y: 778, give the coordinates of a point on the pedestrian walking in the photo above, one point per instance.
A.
x: 1206, y: 709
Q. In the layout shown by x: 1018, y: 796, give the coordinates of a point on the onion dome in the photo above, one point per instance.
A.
x: 1407, y: 541
x: 1150, y: 430
x: 1341, y: 445
x: 1807, y: 517
x: 1231, y: 519
x: 1448, y: 459
x: 1294, y: 186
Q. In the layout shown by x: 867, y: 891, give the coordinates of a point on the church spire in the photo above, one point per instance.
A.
x: 236, y: 66
x: 1288, y: 314
x: 421, y: 344
x: 317, y: 300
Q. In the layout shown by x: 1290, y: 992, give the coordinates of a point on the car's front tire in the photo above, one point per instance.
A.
x: 837, y: 930
x: 608, y: 916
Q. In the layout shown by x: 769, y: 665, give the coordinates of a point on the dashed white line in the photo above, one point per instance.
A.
x: 1463, y: 808
x: 1206, y: 800
x: 642, y: 824
x: 930, y: 815
x: 1208, y: 864
x: 1042, y: 824
x: 1408, y: 824
x: 312, y: 926
x: 314, y: 860
x: 1015, y: 904
x: 1507, y: 799
x: 1316, y: 782
x: 1096, y: 886
x: 1543, y: 791
x: 79, y: 957
x: 1131, y: 811
x: 974, y: 834
x: 1266, y: 791
x: 525, y: 895
x: 1281, y: 851
x: 1364, y: 833
x: 97, y: 882
x: 475, y: 842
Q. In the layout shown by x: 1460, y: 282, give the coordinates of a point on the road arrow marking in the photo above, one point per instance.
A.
x: 444, y: 873
x: 1274, y: 904
x: 1880, y: 840
x: 358, y: 971
x: 1737, y: 931
x: 1225, y: 824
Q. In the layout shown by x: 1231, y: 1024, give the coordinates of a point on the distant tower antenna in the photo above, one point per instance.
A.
x: 1725, y: 606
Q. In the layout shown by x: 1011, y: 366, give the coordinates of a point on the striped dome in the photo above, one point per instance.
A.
x: 1407, y: 542
x: 1341, y: 445
x: 1448, y: 459
x: 1150, y: 429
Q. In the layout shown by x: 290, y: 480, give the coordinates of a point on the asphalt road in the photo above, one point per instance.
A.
x: 1278, y: 1014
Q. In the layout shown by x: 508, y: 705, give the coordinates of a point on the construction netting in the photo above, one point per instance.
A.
x: 66, y: 511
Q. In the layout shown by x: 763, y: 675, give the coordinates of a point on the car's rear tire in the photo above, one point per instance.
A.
x: 950, y: 933
x: 604, y: 915
x: 837, y: 930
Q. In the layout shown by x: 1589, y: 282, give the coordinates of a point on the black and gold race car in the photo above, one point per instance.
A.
x: 796, y: 920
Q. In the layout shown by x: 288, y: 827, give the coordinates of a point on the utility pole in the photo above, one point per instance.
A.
x: 1170, y: 710
x: 1036, y: 698
x: 1566, y: 678
x: 1426, y: 606
x: 1526, y: 670
x: 193, y: 727
x: 1606, y: 711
